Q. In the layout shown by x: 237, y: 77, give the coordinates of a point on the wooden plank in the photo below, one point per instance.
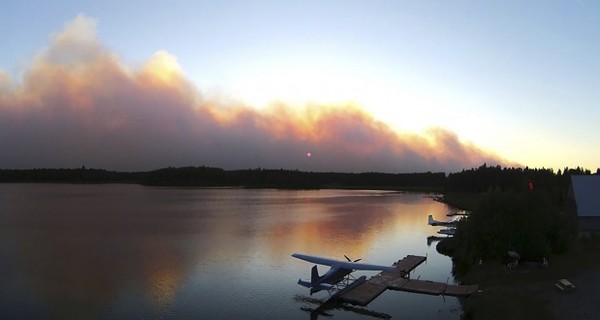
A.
x: 409, y: 263
x: 364, y: 293
x: 398, y: 283
x: 423, y: 286
x: 460, y: 290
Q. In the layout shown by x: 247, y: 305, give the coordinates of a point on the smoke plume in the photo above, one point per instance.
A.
x: 78, y: 104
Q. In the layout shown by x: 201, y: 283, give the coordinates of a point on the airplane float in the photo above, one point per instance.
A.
x: 337, y: 272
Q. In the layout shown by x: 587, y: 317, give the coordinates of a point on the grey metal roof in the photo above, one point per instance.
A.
x: 586, y: 191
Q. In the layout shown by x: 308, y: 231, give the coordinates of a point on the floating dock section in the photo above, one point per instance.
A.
x: 397, y: 279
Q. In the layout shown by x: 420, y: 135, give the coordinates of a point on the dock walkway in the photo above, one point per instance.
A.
x: 397, y: 279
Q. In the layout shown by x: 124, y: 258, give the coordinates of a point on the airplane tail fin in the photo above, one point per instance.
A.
x: 314, y: 275
x: 314, y: 278
x: 430, y: 220
x: 314, y: 284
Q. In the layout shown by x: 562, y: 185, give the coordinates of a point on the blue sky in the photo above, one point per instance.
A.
x: 518, y: 78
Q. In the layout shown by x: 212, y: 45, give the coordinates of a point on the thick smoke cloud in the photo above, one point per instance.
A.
x: 77, y: 104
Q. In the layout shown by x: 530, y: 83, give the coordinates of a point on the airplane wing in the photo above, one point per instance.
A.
x: 339, y: 263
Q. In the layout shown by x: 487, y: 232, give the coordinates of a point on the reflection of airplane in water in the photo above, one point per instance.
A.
x: 324, y: 306
x: 338, y: 271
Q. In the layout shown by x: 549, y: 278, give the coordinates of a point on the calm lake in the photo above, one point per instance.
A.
x: 119, y: 251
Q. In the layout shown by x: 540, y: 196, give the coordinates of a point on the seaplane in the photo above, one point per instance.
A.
x: 436, y: 223
x: 338, y: 271
x: 447, y: 231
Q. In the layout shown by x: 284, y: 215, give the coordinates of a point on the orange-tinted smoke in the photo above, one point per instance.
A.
x: 78, y: 104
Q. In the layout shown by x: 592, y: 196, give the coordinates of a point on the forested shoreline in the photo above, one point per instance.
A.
x: 217, y: 177
x: 520, y: 210
x: 469, y: 181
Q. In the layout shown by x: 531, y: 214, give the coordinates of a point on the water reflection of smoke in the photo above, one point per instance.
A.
x: 77, y: 259
x: 106, y: 251
x: 350, y: 225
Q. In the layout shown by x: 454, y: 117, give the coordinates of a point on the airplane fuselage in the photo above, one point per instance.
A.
x: 436, y: 223
x: 335, y: 275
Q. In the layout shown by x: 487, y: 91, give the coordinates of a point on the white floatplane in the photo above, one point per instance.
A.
x: 447, y: 231
x: 436, y: 223
x: 338, y: 271
x: 457, y: 213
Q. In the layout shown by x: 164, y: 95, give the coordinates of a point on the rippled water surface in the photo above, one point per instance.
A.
x: 118, y: 251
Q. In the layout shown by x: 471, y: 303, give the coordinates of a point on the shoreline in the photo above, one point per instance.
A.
x: 529, y: 291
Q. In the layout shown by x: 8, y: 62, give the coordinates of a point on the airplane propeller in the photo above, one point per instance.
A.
x: 350, y: 260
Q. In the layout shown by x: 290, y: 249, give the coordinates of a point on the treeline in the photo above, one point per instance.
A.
x: 486, y: 178
x: 81, y: 175
x: 254, y: 178
x: 517, y: 209
x: 470, y: 181
x: 294, y: 179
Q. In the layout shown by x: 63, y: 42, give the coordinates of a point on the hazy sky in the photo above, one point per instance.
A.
x: 360, y: 85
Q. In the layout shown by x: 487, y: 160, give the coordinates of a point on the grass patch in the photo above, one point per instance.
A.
x: 505, y: 304
x: 520, y: 293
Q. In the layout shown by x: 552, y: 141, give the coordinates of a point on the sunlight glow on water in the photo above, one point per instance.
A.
x: 128, y: 251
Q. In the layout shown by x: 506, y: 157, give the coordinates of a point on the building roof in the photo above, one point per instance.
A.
x: 586, y: 192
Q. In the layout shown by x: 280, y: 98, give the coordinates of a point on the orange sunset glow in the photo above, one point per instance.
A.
x: 79, y: 104
x: 277, y: 159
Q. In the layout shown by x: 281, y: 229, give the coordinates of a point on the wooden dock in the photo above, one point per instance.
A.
x: 408, y: 264
x: 397, y: 279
